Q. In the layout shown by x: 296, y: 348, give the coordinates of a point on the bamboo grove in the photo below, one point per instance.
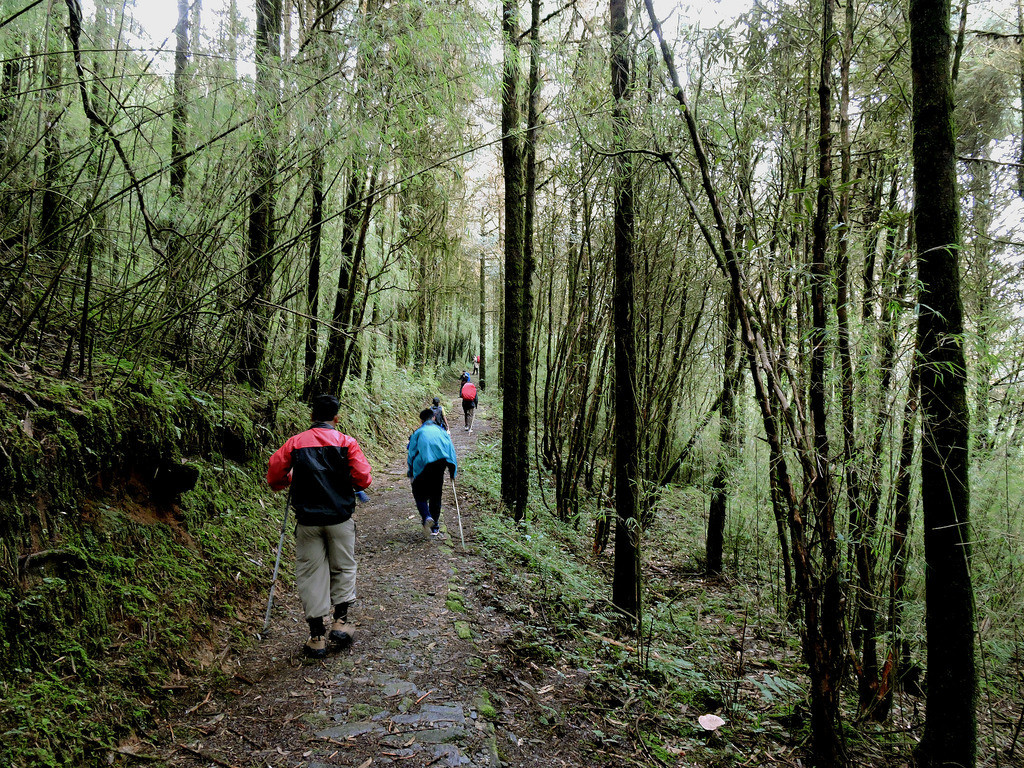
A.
x: 189, y: 190
x: 691, y: 256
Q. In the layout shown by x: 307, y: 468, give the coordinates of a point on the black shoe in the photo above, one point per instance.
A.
x: 341, y: 632
x: 315, y: 648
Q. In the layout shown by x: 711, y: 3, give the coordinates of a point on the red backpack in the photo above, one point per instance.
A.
x: 469, y: 391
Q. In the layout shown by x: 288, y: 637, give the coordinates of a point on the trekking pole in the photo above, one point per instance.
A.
x: 458, y: 514
x: 277, y: 563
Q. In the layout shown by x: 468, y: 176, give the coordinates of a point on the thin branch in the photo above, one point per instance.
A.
x: 989, y: 161
x: 26, y: 9
x: 526, y: 32
x: 74, y: 35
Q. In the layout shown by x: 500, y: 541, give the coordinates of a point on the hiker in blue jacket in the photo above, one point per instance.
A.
x: 430, y: 453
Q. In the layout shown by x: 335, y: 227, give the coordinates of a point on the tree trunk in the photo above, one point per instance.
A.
x: 513, y: 336
x: 318, y: 162
x: 178, y: 255
x: 482, y: 375
x: 92, y: 242
x: 231, y: 39
x: 500, y: 326
x: 864, y: 528
x: 372, y: 345
x: 52, y: 109
x: 626, y: 580
x: 898, y: 663
x: 529, y: 263
x: 1020, y: 95
x: 950, y: 732
x: 10, y: 74
x: 780, y: 511
x: 316, y: 224
x: 358, y: 207
x: 824, y: 606
x: 358, y: 288
x: 422, y: 305
x: 861, y: 524
x: 727, y: 451
x: 259, y: 270
x: 961, y: 35
x: 337, y: 339
x: 981, y: 210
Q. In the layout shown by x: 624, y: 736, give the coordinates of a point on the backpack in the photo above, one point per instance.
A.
x: 468, y: 391
x: 438, y: 415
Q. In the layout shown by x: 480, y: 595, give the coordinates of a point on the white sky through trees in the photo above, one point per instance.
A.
x: 157, y: 18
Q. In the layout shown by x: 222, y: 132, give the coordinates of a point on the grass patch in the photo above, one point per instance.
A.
x: 455, y: 605
x: 484, y: 706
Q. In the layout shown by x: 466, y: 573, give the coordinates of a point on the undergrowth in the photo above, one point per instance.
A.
x: 116, y: 586
x: 703, y: 648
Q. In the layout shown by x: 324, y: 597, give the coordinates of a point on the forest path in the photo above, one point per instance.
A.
x: 427, y: 680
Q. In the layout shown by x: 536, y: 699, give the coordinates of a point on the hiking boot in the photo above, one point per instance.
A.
x: 341, y: 632
x: 428, y: 524
x: 315, y: 648
x: 435, y: 533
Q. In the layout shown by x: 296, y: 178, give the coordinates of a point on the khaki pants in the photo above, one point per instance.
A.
x: 325, y: 566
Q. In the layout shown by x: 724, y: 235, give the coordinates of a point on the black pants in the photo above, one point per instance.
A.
x: 427, y: 487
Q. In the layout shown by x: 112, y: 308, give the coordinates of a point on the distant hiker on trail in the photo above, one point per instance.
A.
x: 476, y: 365
x: 469, y: 403
x: 327, y: 471
x: 430, y: 452
x: 463, y: 379
x: 439, y: 415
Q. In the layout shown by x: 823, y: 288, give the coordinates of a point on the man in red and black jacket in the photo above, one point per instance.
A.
x: 327, y: 471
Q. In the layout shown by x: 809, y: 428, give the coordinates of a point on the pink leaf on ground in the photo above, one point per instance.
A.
x: 710, y: 722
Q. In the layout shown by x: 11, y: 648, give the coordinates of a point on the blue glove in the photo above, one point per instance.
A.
x: 361, y: 495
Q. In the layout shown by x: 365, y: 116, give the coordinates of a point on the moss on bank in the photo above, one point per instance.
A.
x: 135, y: 530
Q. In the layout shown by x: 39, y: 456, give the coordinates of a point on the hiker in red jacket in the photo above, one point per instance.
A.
x: 469, y: 403
x: 327, y: 471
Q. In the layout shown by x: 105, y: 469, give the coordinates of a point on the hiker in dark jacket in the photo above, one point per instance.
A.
x: 327, y: 471
x: 430, y: 453
x: 440, y: 417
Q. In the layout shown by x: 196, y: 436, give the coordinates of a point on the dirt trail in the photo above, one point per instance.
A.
x: 428, y: 681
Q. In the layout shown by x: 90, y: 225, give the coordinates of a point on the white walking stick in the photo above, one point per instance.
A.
x: 277, y: 563
x: 458, y: 514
